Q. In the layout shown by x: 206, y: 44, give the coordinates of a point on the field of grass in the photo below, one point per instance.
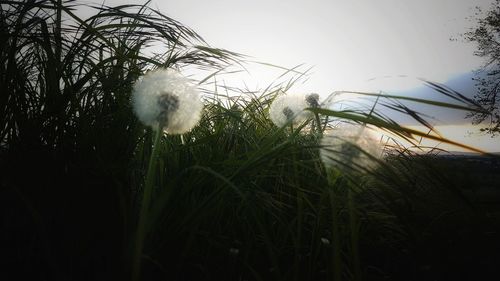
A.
x: 236, y: 197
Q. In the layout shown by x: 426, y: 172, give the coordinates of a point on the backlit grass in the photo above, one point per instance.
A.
x: 235, y: 198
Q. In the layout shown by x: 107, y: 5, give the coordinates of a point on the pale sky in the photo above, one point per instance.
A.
x: 348, y: 43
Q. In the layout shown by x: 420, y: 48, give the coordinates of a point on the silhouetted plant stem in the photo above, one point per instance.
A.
x: 146, y: 199
x: 318, y: 124
x: 353, y: 223
x: 336, y: 249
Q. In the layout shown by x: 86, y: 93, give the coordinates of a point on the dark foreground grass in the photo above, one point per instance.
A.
x: 256, y: 206
x: 234, y: 199
x: 451, y: 233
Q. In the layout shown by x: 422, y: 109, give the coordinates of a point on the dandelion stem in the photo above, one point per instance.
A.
x: 146, y: 199
x: 337, y: 261
x: 318, y: 123
x: 353, y: 223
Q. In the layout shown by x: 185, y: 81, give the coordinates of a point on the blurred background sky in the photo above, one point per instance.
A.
x: 359, y: 45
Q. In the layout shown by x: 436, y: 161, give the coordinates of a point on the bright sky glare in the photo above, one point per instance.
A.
x: 347, y: 42
x: 361, y: 45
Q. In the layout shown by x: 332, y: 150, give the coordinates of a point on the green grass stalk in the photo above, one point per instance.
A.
x: 354, y: 230
x: 336, y: 249
x: 300, y: 212
x: 318, y: 124
x: 146, y: 199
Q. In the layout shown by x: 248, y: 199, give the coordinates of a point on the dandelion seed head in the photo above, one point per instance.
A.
x: 289, y: 108
x: 166, y: 97
x: 168, y: 105
x: 347, y: 146
x: 312, y: 100
x: 289, y: 114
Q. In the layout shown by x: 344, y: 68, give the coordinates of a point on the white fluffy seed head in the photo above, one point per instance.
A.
x: 289, y: 108
x: 350, y: 146
x: 165, y: 96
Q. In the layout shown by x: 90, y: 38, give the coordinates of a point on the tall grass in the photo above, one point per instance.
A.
x: 234, y: 199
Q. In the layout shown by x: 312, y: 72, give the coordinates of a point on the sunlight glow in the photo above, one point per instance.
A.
x: 348, y: 42
x: 352, y: 45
